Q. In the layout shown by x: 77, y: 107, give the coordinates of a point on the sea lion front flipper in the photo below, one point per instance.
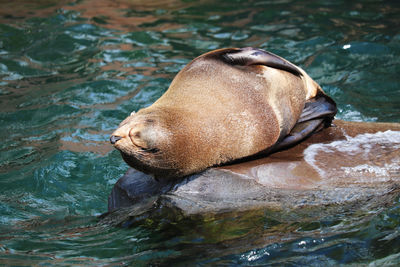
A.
x: 317, y: 114
x: 299, y: 132
x: 252, y: 56
x: 320, y: 106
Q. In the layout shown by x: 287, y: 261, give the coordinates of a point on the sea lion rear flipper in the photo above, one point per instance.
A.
x: 317, y: 114
x: 252, y: 56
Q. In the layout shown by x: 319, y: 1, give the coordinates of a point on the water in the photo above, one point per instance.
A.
x: 71, y: 71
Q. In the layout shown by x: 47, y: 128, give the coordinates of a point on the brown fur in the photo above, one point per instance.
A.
x: 212, y: 113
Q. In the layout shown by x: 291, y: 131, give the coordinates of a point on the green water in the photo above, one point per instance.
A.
x: 71, y: 71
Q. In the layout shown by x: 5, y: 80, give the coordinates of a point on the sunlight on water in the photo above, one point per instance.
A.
x: 70, y: 71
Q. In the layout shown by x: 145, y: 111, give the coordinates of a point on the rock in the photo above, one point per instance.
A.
x: 348, y: 164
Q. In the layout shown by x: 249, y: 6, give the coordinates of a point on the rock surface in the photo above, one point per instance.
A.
x: 350, y: 163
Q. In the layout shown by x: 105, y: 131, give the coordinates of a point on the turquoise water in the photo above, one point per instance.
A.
x: 71, y: 71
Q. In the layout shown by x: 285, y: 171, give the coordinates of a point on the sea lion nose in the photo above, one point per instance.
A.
x: 114, y: 139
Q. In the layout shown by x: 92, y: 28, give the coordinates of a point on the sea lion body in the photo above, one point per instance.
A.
x: 222, y: 106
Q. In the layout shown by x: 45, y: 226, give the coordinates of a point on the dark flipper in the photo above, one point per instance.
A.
x: 321, y: 106
x: 253, y: 56
x: 318, y: 113
x: 300, y: 131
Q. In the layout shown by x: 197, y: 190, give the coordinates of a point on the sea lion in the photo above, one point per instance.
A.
x: 225, y: 105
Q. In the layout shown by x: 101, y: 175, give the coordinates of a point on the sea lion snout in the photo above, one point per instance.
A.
x: 114, y: 139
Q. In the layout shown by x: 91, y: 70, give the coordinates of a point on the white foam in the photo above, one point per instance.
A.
x: 353, y: 146
x: 380, y: 171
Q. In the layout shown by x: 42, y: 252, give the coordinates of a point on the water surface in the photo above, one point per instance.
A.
x: 70, y: 71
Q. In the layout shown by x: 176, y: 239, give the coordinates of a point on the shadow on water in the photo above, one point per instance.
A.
x: 70, y: 71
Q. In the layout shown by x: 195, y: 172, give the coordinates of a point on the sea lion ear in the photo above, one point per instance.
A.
x: 253, y: 56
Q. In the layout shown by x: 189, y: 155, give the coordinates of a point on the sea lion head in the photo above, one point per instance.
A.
x: 146, y: 142
x: 140, y: 139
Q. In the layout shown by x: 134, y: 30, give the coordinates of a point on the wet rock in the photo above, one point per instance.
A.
x: 348, y: 164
